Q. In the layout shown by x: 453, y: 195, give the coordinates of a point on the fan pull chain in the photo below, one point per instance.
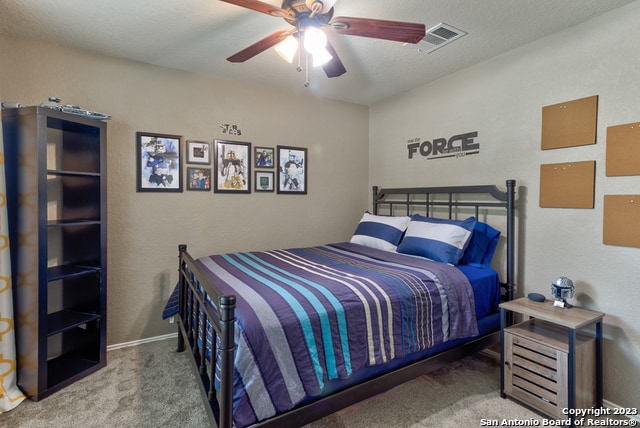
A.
x: 299, y: 67
x: 306, y: 70
x: 300, y: 43
x: 306, y: 60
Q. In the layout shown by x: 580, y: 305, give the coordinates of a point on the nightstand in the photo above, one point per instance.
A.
x: 548, y: 361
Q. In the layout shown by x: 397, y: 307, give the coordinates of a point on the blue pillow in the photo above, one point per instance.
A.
x: 438, y: 239
x: 382, y: 232
x: 482, y: 245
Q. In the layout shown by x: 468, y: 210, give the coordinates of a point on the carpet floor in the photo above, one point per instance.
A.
x: 151, y: 385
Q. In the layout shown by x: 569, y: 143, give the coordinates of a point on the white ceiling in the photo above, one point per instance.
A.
x: 198, y: 35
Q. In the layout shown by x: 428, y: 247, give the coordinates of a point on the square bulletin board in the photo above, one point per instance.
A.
x: 567, y: 185
x: 569, y: 124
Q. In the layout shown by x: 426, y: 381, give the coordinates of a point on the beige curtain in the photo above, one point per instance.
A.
x: 10, y: 394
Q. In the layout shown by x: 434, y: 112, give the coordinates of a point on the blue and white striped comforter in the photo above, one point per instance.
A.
x: 308, y: 315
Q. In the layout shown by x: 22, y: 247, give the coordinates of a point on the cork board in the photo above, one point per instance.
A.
x: 623, y: 150
x: 621, y: 220
x: 569, y: 124
x: 567, y: 185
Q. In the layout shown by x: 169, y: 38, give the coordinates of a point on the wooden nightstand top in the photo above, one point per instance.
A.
x: 573, y: 317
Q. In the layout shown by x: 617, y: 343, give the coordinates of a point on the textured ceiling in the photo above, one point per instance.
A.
x: 198, y: 35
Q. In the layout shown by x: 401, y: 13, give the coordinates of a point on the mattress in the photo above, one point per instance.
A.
x: 485, y: 283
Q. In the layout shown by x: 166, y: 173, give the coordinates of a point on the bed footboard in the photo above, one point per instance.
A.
x: 206, y: 315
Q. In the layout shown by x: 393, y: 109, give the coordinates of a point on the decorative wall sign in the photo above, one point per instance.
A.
x: 232, y: 167
x: 230, y: 129
x: 292, y: 170
x: 158, y: 162
x: 440, y: 148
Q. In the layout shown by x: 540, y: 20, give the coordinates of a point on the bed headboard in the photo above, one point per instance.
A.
x: 453, y: 201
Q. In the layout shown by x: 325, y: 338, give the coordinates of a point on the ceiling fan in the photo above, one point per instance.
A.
x: 307, y: 17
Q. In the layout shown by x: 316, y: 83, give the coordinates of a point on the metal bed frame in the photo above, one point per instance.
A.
x: 203, y: 307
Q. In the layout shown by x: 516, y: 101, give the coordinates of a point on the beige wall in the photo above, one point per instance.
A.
x: 502, y: 99
x: 144, y: 229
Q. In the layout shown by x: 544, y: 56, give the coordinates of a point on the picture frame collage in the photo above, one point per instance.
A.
x: 224, y: 166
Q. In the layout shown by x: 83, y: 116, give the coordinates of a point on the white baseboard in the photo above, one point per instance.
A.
x: 610, y: 405
x: 141, y: 341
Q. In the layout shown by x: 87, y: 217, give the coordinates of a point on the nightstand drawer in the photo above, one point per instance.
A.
x: 527, y: 360
x: 531, y: 374
x: 540, y: 354
x: 536, y: 367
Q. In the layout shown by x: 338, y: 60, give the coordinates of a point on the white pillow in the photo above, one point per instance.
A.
x: 381, y: 232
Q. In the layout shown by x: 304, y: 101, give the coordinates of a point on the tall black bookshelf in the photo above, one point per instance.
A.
x: 56, y: 188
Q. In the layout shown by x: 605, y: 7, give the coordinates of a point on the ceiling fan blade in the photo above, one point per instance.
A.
x: 379, y: 29
x: 334, y: 67
x: 260, y: 46
x: 260, y: 6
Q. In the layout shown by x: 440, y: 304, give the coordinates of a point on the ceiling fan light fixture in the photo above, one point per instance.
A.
x: 321, y: 57
x: 314, y: 40
x: 287, y: 48
x: 315, y: 43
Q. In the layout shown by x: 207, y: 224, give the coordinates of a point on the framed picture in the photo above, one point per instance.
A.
x: 264, y: 181
x: 198, y: 178
x: 198, y: 152
x: 232, y: 167
x: 292, y: 170
x: 263, y: 157
x: 158, y: 162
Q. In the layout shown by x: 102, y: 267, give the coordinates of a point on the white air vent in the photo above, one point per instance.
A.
x: 438, y: 36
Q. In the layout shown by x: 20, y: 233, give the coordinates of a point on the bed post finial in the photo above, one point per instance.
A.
x: 182, y: 248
